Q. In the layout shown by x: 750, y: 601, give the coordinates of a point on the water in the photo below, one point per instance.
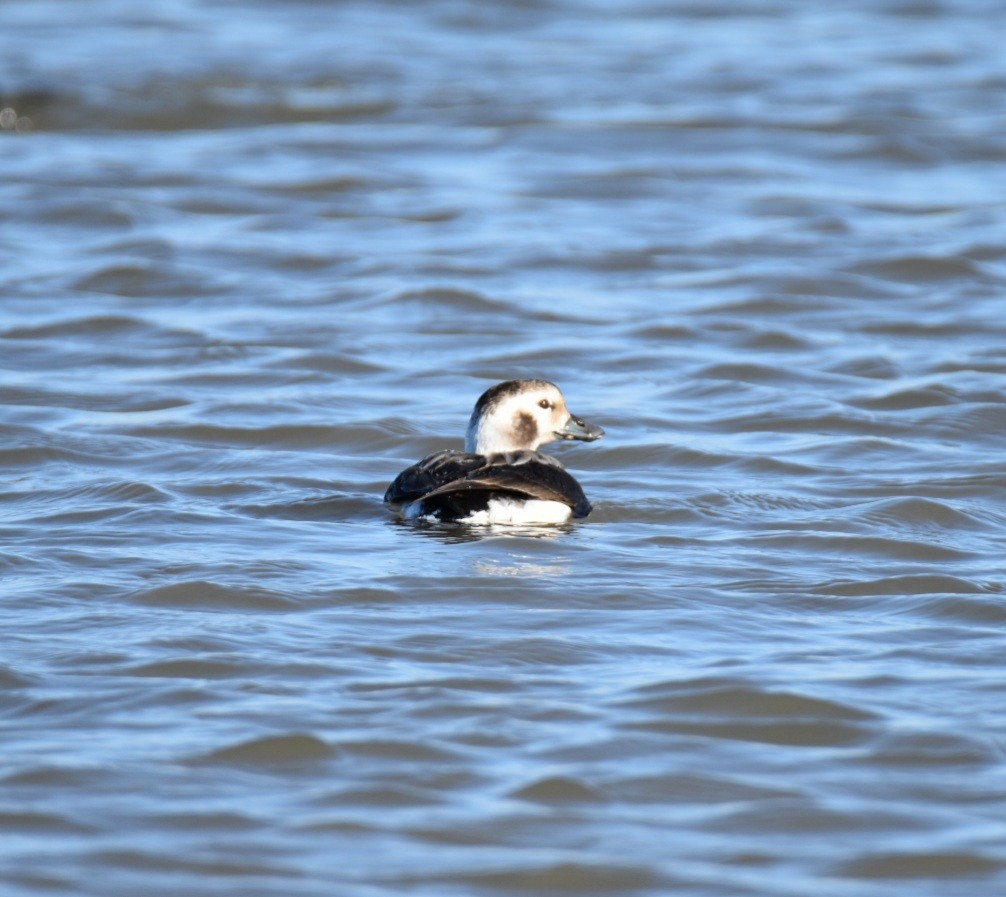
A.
x: 258, y: 257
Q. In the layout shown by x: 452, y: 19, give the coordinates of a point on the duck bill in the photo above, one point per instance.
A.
x: 578, y: 428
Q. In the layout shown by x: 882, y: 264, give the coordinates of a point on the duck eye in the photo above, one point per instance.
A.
x: 544, y: 403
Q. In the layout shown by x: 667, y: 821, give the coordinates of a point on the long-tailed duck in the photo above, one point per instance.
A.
x: 501, y: 477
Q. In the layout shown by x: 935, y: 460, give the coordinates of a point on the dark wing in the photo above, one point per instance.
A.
x: 431, y: 473
x: 533, y: 476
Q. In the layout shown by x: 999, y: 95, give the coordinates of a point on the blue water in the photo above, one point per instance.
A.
x: 259, y: 257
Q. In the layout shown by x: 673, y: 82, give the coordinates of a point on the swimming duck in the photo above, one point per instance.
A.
x: 501, y: 477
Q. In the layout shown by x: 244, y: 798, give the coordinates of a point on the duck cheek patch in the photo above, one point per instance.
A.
x: 525, y: 428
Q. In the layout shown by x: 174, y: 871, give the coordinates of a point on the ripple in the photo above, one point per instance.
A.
x: 921, y: 865
x: 441, y: 299
x: 574, y: 878
x: 293, y: 436
x: 37, y: 823
x: 148, y: 861
x: 412, y: 751
x: 186, y: 668
x: 739, y: 712
x: 909, y: 584
x: 559, y: 790
x: 292, y: 748
x: 123, y: 402
x: 205, y: 594
x: 923, y: 513
x: 86, y: 326
x: 923, y: 268
x: 749, y: 373
x: 714, y: 696
x: 11, y: 679
x: 908, y: 750
x: 901, y: 399
x: 686, y: 788
x: 140, y: 280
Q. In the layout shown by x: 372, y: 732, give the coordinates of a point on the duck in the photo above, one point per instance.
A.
x: 501, y: 477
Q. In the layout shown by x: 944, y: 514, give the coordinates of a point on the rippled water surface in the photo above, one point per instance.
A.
x: 259, y: 256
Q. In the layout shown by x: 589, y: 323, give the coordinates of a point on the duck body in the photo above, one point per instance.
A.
x: 503, y: 487
x: 501, y: 477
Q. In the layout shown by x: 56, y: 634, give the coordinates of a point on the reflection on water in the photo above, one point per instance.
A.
x: 267, y: 255
x: 520, y: 567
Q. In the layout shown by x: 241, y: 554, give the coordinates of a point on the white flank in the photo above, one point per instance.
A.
x: 505, y: 512
x: 510, y: 511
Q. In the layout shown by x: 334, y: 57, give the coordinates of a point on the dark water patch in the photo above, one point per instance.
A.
x: 973, y: 610
x: 875, y: 433
x: 763, y: 308
x: 690, y: 788
x: 664, y: 333
x: 943, y: 484
x: 525, y: 652
x: 910, y: 584
x: 353, y: 595
x: 563, y: 878
x: 440, y: 685
x: 708, y: 709
x: 448, y: 835
x: 13, y: 562
x: 143, y: 280
x: 901, y: 399
x: 11, y: 679
x: 661, y: 460
x: 666, y: 512
x: 984, y: 422
x: 561, y: 354
x: 384, y: 749
x: 872, y: 367
x: 310, y: 437
x: 192, y: 668
x: 398, y: 796
x: 106, y: 400
x: 924, y: 330
x: 750, y: 373
x: 977, y: 363
x: 799, y: 816
x: 332, y: 364
x: 326, y: 507
x: 783, y: 733
x: 116, y: 492
x: 924, y: 269
x: 926, y: 514
x: 28, y: 822
x: 316, y: 186
x: 559, y: 790
x: 440, y: 300
x: 865, y: 547
x: 647, y: 456
x: 206, y: 821
x: 735, y: 699
x: 289, y: 749
x: 764, y: 501
x: 94, y: 515
x: 910, y: 750
x: 148, y: 862
x: 776, y: 341
x: 911, y: 866
x: 214, y: 596
x: 77, y: 212
x: 84, y: 327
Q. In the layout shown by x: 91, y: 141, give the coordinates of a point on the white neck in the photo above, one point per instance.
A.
x: 486, y: 436
x: 483, y: 439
